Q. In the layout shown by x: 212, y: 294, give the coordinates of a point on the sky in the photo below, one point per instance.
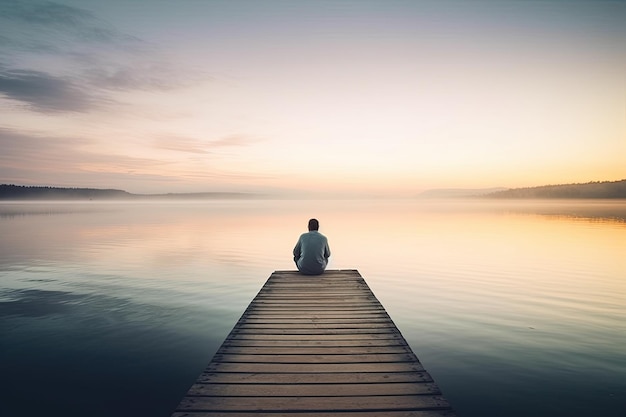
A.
x: 363, y: 98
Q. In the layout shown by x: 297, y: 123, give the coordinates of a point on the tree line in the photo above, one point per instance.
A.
x: 22, y: 192
x: 598, y: 189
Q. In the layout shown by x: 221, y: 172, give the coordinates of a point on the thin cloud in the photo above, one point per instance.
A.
x: 25, y: 154
x: 27, y: 157
x: 37, y: 33
x: 60, y: 19
x: 234, y: 140
x: 29, y: 152
x: 87, y: 61
x: 155, y: 76
x: 198, y: 146
x: 181, y: 144
x: 47, y: 93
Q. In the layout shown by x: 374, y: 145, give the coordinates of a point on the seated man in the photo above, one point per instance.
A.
x: 312, y: 252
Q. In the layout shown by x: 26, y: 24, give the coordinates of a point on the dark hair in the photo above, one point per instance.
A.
x: 314, y: 224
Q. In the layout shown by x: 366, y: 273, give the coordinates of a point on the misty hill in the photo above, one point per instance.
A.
x: 20, y: 192
x: 458, y: 192
x: 605, y: 189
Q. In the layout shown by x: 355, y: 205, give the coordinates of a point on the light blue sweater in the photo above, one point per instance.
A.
x: 311, y: 253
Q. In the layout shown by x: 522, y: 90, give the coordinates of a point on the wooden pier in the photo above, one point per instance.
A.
x: 314, y: 346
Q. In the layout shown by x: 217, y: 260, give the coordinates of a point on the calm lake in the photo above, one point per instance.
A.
x: 515, y: 308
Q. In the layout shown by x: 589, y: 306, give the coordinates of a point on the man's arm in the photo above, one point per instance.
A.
x: 297, y: 251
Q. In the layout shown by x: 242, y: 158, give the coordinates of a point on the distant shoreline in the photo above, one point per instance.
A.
x: 43, y: 193
x: 590, y: 190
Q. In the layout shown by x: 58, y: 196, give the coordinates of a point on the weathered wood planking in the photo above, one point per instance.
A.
x: 314, y: 346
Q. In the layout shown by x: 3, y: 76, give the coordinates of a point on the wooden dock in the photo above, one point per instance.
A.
x: 314, y: 346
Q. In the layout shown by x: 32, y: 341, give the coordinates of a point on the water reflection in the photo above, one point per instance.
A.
x: 518, y: 304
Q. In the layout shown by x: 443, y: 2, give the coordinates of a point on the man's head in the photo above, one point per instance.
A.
x: 314, y: 225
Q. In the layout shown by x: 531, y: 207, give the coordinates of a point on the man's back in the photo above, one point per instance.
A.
x: 311, y: 253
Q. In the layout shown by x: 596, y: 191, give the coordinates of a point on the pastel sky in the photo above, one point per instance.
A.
x: 339, y: 97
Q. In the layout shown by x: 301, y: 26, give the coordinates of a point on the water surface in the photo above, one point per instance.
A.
x: 113, y: 309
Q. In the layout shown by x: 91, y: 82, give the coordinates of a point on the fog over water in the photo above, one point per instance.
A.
x: 113, y: 309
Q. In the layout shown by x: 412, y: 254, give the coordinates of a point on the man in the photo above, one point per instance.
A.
x: 312, y: 252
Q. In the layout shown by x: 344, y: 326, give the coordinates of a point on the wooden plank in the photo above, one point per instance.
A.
x: 303, y: 304
x: 316, y: 331
x: 319, y: 337
x: 313, y: 350
x: 319, y: 346
x: 319, y: 358
x: 313, y: 378
x: 371, y: 403
x: 318, y: 325
x: 414, y: 413
x: 302, y: 320
x: 315, y: 367
x: 312, y: 390
x: 307, y: 313
x: 306, y: 343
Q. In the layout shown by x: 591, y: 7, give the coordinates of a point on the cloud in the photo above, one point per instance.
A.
x: 58, y: 19
x: 57, y: 37
x: 199, y: 146
x: 36, y: 151
x: 46, y: 155
x: 59, y: 58
x: 234, y: 140
x: 29, y: 158
x: 154, y: 76
x: 47, y: 93
x: 181, y: 144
